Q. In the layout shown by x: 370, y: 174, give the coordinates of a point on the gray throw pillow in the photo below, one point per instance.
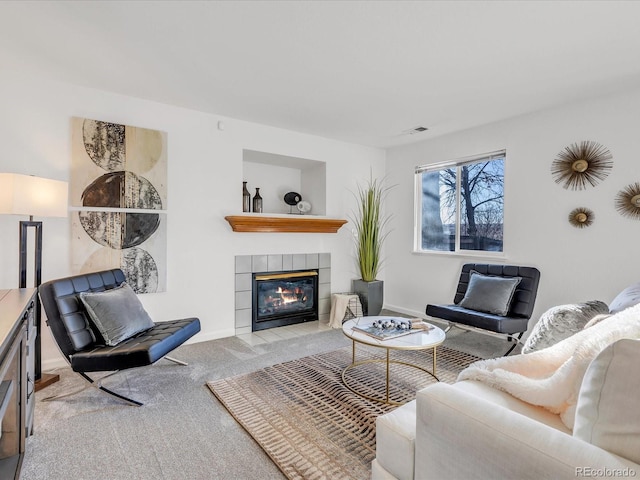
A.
x: 116, y: 313
x: 561, y: 322
x: 489, y: 294
x: 629, y: 297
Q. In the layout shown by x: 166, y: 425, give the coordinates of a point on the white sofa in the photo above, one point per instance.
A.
x: 472, y: 431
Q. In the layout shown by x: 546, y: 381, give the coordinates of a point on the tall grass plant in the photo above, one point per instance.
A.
x: 371, y: 224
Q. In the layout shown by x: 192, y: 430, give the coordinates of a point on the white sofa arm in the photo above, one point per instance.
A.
x: 461, y: 436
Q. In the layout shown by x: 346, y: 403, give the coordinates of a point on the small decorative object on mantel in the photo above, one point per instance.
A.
x: 579, y: 164
x: 246, y: 198
x: 303, y: 207
x: 257, y: 202
x: 628, y: 201
x: 292, y: 199
x: 581, y: 217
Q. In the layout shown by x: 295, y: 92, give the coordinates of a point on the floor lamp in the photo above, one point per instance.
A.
x: 40, y: 197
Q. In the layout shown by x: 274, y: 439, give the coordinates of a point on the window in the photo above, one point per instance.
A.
x: 460, y: 205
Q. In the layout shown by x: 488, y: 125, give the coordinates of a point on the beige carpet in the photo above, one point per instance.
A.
x: 310, y: 424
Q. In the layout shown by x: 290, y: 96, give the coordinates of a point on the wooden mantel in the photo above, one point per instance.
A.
x: 288, y: 223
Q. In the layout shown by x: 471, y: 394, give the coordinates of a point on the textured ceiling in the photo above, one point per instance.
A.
x: 361, y: 72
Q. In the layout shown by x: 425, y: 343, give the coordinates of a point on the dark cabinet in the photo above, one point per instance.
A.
x: 17, y: 336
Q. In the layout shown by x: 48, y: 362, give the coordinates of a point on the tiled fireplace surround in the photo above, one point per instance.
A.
x: 246, y: 265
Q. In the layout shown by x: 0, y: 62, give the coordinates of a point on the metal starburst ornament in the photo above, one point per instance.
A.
x: 581, y: 217
x: 582, y: 163
x: 628, y: 201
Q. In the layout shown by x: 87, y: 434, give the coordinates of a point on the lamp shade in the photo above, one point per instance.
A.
x: 28, y: 195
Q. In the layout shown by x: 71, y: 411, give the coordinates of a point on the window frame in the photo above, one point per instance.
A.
x: 417, y: 205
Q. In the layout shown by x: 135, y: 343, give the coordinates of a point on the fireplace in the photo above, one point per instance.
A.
x: 263, y: 264
x: 284, y: 298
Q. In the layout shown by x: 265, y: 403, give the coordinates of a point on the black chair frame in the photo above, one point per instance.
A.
x: 81, y: 343
x: 514, y: 324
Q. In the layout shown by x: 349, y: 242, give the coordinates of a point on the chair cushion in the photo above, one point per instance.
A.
x: 486, y: 321
x: 629, y: 297
x: 116, y: 313
x: 489, y: 294
x: 561, y: 322
x: 142, y: 349
x: 607, y: 413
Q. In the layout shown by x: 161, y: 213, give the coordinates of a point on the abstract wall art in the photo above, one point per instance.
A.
x: 582, y: 164
x: 628, y: 201
x: 581, y: 217
x: 119, y: 191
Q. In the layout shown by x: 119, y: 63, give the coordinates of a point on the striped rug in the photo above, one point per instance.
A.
x: 310, y: 424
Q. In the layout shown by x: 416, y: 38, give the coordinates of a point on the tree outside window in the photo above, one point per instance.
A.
x: 461, y: 205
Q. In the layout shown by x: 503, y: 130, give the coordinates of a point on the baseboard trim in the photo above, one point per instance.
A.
x: 406, y: 311
x: 231, y: 332
x: 53, y: 364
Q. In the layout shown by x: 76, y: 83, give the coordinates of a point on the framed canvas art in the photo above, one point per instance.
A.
x: 119, y: 191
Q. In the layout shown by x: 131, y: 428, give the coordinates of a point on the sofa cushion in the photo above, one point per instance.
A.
x: 561, y: 322
x: 503, y: 399
x: 607, y: 413
x: 116, y: 313
x: 489, y: 294
x: 461, y: 436
x: 395, y: 441
x: 629, y: 297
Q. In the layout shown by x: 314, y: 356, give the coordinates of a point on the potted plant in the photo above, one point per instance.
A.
x: 370, y: 232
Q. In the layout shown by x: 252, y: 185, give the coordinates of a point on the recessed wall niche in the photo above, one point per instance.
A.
x: 275, y: 175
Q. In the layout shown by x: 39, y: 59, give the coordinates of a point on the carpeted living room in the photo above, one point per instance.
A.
x: 202, y: 296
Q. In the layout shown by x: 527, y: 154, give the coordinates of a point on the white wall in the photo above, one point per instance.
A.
x: 205, y: 184
x: 576, y: 264
x: 278, y: 181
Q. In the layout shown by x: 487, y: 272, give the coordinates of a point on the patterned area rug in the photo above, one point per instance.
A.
x: 310, y: 424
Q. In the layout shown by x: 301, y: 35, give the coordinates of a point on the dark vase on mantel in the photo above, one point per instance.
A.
x: 257, y: 202
x: 246, y: 198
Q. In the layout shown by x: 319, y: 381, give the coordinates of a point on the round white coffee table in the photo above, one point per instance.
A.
x: 416, y: 340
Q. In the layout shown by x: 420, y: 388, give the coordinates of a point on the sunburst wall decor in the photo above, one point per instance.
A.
x: 581, y: 217
x: 628, y: 201
x: 582, y: 163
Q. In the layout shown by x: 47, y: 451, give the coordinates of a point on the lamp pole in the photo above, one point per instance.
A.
x: 48, y: 379
x: 40, y: 197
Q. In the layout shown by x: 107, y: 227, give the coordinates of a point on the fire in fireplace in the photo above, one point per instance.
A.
x: 284, y: 298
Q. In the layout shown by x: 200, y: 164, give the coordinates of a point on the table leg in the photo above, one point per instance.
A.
x: 434, y: 361
x: 387, y: 390
x: 353, y: 351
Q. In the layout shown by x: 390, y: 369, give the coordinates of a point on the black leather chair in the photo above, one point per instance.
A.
x: 520, y: 310
x: 81, y: 343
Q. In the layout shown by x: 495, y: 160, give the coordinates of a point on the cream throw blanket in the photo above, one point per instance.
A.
x: 551, y: 377
x: 339, y: 305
